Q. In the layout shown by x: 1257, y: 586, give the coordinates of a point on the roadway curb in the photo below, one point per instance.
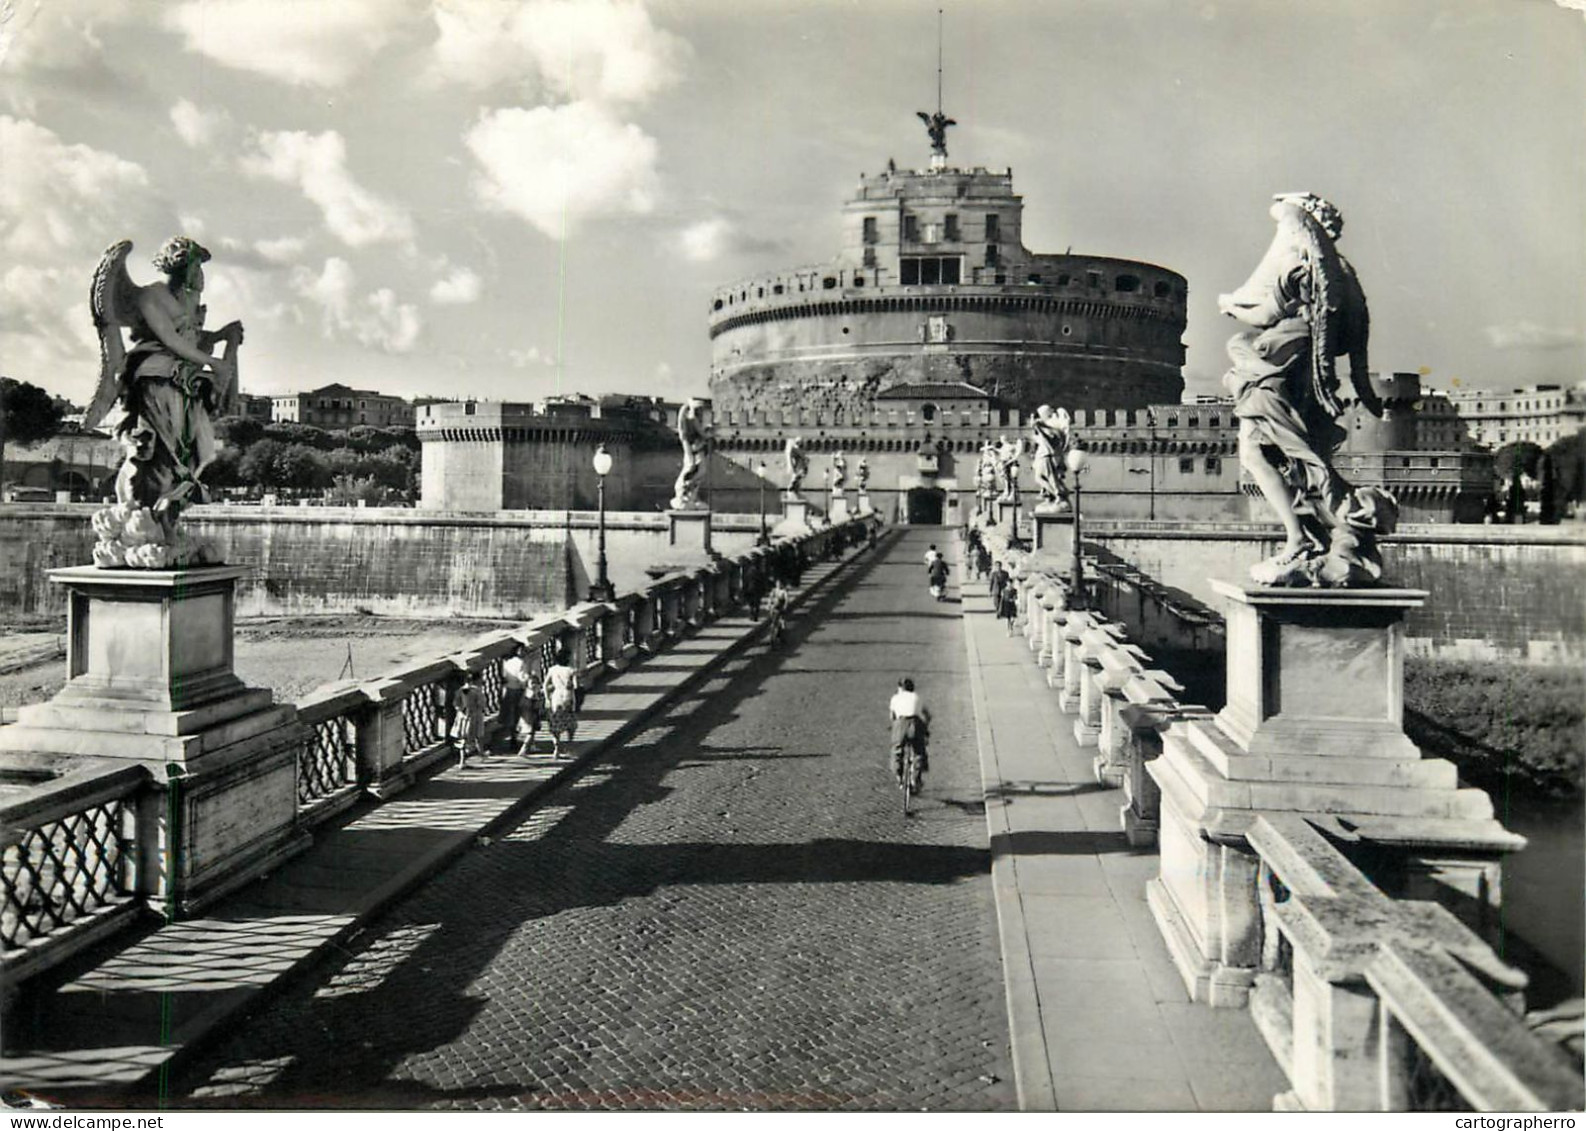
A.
x: 1032, y: 1066
x: 156, y: 1079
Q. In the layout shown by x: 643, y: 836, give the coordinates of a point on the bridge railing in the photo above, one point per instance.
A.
x: 70, y: 863
x: 1371, y: 1003
x: 75, y: 843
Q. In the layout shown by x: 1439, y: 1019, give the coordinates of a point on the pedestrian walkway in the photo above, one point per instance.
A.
x: 1099, y: 1017
x: 120, y: 1022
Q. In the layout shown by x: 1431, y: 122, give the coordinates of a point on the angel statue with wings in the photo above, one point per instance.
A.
x: 1305, y: 309
x: 160, y: 397
x: 1008, y: 453
x: 1050, y: 432
x: 798, y: 464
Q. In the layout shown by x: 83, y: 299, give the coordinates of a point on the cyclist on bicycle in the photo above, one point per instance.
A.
x: 779, y: 603
x: 911, y: 724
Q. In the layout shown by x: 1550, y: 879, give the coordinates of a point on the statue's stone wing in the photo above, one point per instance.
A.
x: 112, y: 299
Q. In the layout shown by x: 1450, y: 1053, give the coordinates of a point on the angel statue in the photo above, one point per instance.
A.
x: 161, y: 397
x: 1305, y: 309
x: 862, y: 473
x: 691, y: 433
x: 1008, y: 453
x: 1050, y: 430
x: 936, y: 126
x: 798, y: 464
x: 986, y: 476
x: 839, y: 470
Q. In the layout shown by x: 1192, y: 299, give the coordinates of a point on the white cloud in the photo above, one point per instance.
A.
x: 283, y: 250
x: 61, y: 205
x: 303, y: 42
x: 377, y: 320
x: 523, y: 359
x: 317, y: 165
x: 585, y: 50
x: 1529, y: 336
x: 705, y: 240
x: 556, y: 166
x: 196, y: 126
x: 58, y: 35
x: 460, y: 287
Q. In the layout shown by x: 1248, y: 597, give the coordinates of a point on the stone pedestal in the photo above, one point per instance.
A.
x: 687, y: 543
x: 842, y: 507
x: 1313, y: 725
x: 862, y: 501
x: 797, y: 516
x: 150, y: 681
x: 1054, y: 538
x: 1007, y: 519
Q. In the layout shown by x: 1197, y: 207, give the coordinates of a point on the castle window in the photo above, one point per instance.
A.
x: 1093, y: 278
x: 991, y: 255
x: 1186, y: 465
x: 1214, y: 465
x: 1126, y: 284
x: 1064, y: 280
x: 871, y: 235
x: 911, y: 229
x: 829, y: 283
x: 859, y: 280
x: 951, y: 221
x: 928, y: 412
x: 1067, y: 330
x: 870, y: 257
x: 716, y: 305
x: 929, y: 270
x: 993, y: 227
x: 776, y: 290
x: 759, y: 292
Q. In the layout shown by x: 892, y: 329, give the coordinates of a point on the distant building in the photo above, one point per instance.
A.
x: 933, y: 284
x: 251, y: 407
x: 338, y: 406
x: 1540, y: 414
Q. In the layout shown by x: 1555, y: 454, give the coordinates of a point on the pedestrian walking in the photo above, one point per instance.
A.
x: 999, y: 582
x: 561, y: 702
x: 514, y: 682
x: 468, y: 718
x: 531, y: 711
x: 1008, y: 604
x: 983, y: 561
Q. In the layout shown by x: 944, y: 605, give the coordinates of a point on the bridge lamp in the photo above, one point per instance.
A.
x: 761, y: 470
x: 602, y: 589
x: 1076, y: 459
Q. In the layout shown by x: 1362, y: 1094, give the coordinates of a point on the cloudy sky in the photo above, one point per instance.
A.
x: 507, y: 199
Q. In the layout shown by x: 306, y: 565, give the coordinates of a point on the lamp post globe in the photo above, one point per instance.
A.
x: 761, y: 470
x: 1076, y: 459
x: 602, y: 589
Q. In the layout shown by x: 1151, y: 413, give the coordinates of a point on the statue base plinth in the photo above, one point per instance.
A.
x: 842, y: 507
x: 1313, y: 725
x: 688, y: 543
x: 862, y: 501
x: 1054, y: 537
x: 1008, y: 518
x: 150, y: 682
x: 798, y: 517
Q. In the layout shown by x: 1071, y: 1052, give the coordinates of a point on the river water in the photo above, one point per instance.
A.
x: 1545, y: 885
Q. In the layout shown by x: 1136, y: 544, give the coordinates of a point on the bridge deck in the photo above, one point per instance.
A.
x: 724, y: 909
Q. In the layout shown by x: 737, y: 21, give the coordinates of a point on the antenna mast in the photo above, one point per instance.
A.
x: 938, y: 60
x: 936, y: 124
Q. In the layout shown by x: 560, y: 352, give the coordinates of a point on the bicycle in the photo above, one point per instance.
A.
x: 907, y: 784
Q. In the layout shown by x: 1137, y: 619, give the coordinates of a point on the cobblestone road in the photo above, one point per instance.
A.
x: 731, y: 913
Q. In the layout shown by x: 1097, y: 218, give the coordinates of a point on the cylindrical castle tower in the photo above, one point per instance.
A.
x: 934, y: 284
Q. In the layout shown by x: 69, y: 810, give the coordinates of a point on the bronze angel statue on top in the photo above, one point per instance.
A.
x: 1305, y: 309
x: 160, y: 396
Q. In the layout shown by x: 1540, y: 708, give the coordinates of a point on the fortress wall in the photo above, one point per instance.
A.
x: 1497, y: 592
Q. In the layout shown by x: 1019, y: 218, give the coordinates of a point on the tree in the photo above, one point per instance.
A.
x: 239, y: 431
x: 1547, y: 492
x: 258, y: 466
x: 1569, y: 465
x: 27, y: 415
x: 1516, y: 486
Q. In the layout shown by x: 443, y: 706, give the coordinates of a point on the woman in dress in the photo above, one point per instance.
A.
x: 561, y: 702
x: 469, y: 720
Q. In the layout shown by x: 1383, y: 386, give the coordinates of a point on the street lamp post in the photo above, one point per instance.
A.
x: 1076, y: 460
x: 765, y: 538
x: 602, y: 589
